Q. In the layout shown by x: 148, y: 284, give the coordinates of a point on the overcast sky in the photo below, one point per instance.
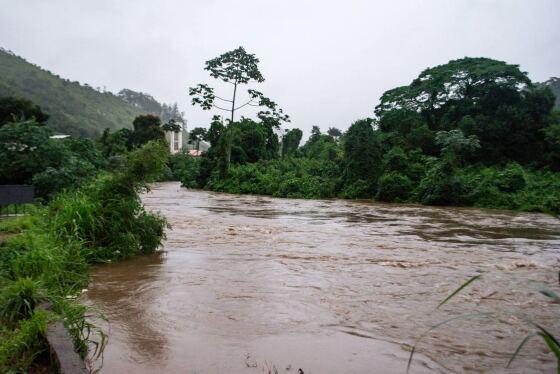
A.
x: 325, y: 62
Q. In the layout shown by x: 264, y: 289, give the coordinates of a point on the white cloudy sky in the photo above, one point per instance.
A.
x: 325, y: 62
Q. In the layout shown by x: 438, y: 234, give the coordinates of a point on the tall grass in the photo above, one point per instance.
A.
x: 49, y: 257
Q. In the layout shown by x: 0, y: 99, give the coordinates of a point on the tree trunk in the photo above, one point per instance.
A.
x: 233, y: 101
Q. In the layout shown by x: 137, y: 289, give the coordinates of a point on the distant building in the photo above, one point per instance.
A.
x: 200, y: 146
x: 177, y: 139
x: 59, y: 136
x: 194, y: 153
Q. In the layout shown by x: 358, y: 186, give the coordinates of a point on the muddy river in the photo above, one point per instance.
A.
x: 252, y: 284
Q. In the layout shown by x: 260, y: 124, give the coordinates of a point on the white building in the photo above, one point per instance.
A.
x: 175, y: 138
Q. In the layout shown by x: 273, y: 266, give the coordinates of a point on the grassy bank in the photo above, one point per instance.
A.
x: 49, y: 254
x: 432, y: 182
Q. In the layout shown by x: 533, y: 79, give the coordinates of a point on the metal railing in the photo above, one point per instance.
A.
x: 14, y: 196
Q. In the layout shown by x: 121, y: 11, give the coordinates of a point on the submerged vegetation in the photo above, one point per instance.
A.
x: 472, y: 132
x: 48, y: 259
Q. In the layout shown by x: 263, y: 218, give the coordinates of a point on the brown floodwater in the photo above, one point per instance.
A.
x: 253, y: 284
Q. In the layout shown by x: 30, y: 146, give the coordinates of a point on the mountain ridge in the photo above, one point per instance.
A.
x: 75, y: 109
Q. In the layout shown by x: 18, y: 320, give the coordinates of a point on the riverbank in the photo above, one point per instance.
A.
x: 511, y: 188
x: 48, y: 258
x: 326, y: 286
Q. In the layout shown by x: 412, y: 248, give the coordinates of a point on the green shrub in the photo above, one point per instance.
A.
x: 358, y: 189
x: 511, y: 179
x: 395, y: 160
x: 100, y: 221
x: 394, y: 186
x: 18, y: 300
x: 441, y: 186
x: 20, y: 346
x: 107, y: 216
x: 295, y: 178
x: 187, y: 169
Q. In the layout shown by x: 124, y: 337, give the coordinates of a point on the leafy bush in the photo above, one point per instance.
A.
x: 511, y: 179
x: 441, y: 186
x: 186, y: 169
x: 394, y: 186
x: 107, y: 216
x: 52, y: 181
x: 18, y: 300
x: 29, y: 156
x: 395, y: 160
x: 295, y: 178
x: 100, y: 221
x: 358, y: 189
x: 20, y: 346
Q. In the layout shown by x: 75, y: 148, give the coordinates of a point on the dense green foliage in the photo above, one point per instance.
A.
x: 29, y: 156
x: 146, y: 128
x: 473, y: 132
x: 290, y: 142
x: 361, y: 156
x: 74, y: 109
x: 291, y: 177
x: 13, y: 109
x: 554, y: 85
x: 49, y: 258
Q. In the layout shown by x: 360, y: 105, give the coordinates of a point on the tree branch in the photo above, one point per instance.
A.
x: 247, y: 103
x: 217, y: 107
x: 217, y: 97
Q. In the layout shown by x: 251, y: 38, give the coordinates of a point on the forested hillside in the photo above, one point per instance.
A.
x: 75, y: 109
x: 148, y: 104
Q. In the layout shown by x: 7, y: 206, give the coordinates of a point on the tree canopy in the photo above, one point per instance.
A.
x: 290, y: 141
x: 14, y: 109
x: 236, y: 67
x: 361, y: 155
x: 467, y: 79
x: 146, y: 128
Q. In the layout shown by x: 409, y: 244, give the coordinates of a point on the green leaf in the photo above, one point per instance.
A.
x: 519, y: 347
x: 462, y: 316
x: 551, y: 342
x: 549, y: 293
x: 458, y: 290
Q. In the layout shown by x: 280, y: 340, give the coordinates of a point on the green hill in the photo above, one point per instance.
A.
x: 74, y: 109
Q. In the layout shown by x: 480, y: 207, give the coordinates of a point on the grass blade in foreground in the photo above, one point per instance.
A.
x: 458, y: 290
x: 462, y: 316
x: 549, y: 293
x: 519, y: 347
